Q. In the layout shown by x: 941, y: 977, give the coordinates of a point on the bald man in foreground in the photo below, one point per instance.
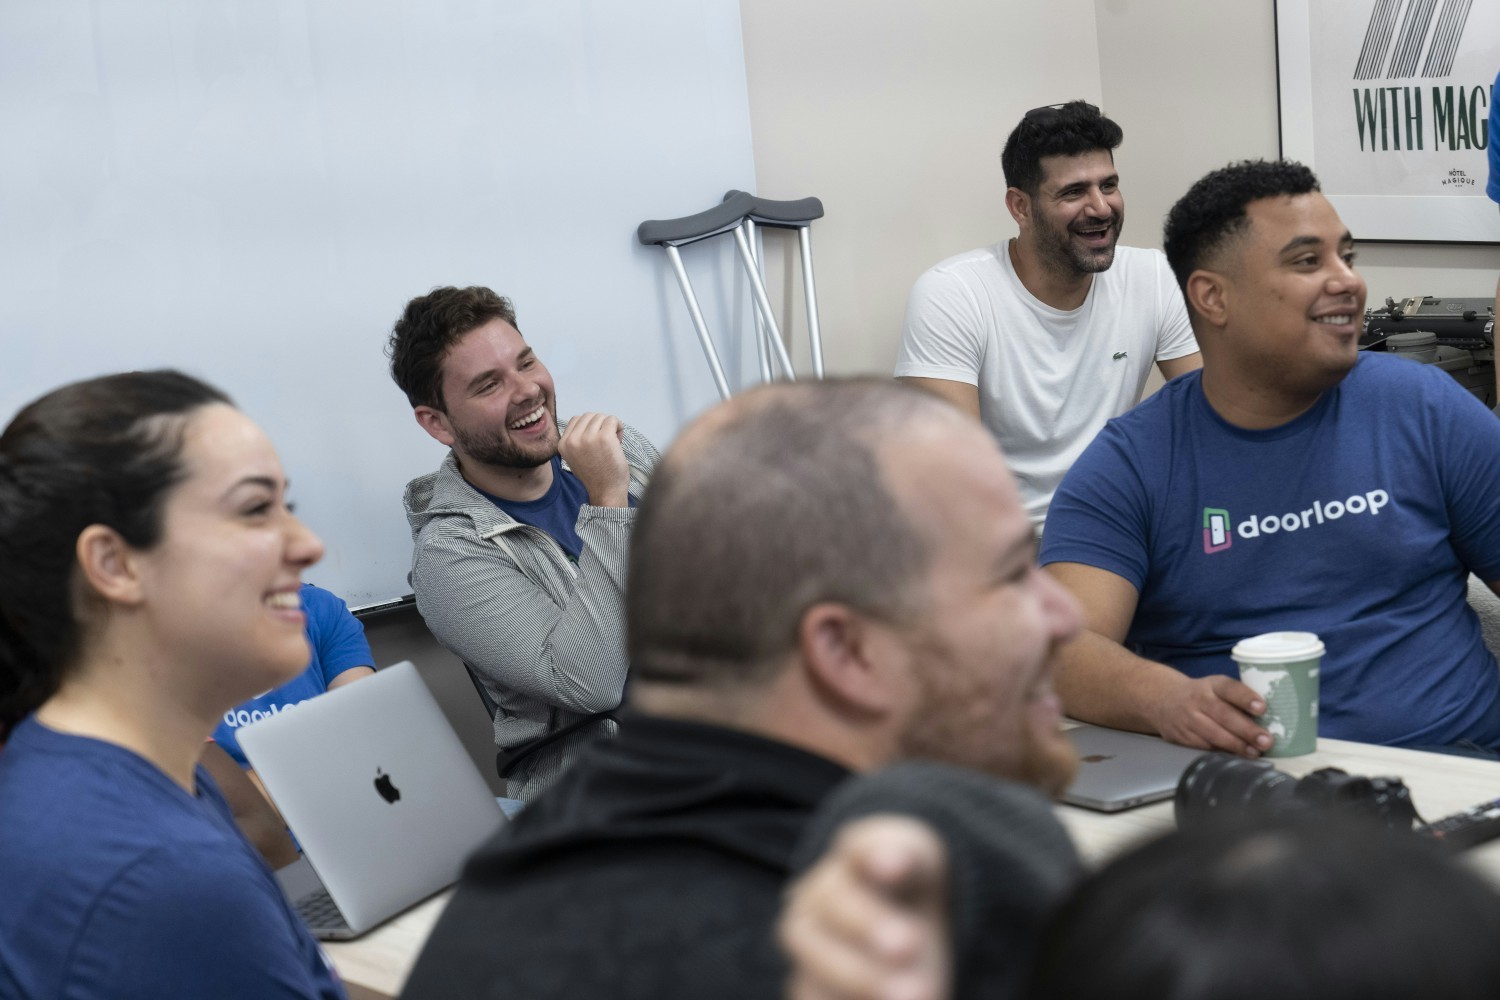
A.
x: 825, y: 579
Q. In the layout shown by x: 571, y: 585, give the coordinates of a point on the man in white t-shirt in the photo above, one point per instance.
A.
x: 1046, y: 337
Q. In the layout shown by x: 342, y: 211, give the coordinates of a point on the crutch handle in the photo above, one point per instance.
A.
x: 691, y: 228
x: 783, y: 214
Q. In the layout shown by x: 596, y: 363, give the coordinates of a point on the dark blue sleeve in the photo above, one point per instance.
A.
x: 1467, y: 436
x: 1493, y: 187
x: 337, y: 636
x: 198, y: 922
x: 1100, y: 515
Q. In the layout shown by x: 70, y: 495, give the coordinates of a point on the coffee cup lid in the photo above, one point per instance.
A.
x: 1278, y: 647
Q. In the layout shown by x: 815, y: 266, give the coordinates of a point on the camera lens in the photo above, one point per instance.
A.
x: 1228, y: 787
x: 1231, y: 786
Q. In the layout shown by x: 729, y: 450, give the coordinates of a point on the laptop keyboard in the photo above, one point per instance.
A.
x: 320, y: 912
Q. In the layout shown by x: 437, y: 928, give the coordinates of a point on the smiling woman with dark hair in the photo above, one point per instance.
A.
x: 152, y: 569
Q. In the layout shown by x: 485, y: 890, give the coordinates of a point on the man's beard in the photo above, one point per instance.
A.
x: 497, y: 449
x: 940, y: 729
x: 1059, y: 252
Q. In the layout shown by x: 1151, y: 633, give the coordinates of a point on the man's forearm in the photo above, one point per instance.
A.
x: 1101, y: 681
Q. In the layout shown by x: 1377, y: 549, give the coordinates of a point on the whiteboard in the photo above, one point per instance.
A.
x: 251, y: 190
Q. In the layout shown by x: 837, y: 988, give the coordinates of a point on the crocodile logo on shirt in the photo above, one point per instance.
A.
x: 1121, y: 355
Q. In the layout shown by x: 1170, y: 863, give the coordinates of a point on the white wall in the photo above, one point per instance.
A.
x: 250, y: 190
x: 894, y: 113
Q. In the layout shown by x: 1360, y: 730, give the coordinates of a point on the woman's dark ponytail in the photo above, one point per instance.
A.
x: 102, y: 451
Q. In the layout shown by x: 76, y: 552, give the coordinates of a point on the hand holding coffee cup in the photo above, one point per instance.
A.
x: 1283, y: 667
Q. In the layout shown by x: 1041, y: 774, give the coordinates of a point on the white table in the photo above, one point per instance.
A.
x: 382, y: 959
x: 1440, y: 784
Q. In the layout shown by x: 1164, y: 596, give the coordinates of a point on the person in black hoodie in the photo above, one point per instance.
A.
x: 824, y: 579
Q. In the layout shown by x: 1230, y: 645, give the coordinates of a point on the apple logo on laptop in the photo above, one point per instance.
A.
x: 383, y: 785
x: 1095, y: 758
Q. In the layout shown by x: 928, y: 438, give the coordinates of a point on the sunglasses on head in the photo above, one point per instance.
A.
x: 1049, y: 113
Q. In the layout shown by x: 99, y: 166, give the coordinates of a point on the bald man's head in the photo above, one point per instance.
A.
x: 766, y: 505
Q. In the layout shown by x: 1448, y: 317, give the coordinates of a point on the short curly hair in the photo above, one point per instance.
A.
x: 427, y: 330
x: 1070, y: 129
x: 1213, y: 210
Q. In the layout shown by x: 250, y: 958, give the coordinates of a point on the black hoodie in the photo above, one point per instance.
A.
x: 653, y: 869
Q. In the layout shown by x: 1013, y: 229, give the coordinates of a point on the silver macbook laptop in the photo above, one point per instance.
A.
x: 383, y: 799
x: 1118, y: 770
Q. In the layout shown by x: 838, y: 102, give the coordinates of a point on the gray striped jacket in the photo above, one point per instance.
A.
x: 546, y: 637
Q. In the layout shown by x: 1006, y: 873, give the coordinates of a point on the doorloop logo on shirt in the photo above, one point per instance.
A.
x: 235, y: 718
x: 1217, y: 536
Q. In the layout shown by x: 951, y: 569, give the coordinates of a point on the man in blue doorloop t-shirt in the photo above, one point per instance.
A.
x: 1293, y: 484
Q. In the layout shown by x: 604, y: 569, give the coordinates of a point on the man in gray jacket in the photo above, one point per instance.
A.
x: 521, y: 535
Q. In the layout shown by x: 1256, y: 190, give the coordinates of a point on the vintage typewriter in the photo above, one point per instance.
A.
x: 1457, y: 335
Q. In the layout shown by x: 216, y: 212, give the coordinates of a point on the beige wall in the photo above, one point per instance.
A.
x: 1186, y: 108
x: 1194, y: 85
x: 893, y: 113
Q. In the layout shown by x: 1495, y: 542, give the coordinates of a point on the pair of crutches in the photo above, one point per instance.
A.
x: 739, y: 214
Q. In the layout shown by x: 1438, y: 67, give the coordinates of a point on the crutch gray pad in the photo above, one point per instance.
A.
x: 785, y: 214
x: 691, y: 228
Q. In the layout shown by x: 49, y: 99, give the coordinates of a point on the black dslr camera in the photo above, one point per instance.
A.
x: 1222, y: 786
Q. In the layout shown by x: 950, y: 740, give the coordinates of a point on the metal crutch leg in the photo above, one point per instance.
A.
x: 763, y: 303
x: 670, y: 234
x: 798, y: 215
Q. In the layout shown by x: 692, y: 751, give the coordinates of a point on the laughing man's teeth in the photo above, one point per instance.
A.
x: 1335, y: 320
x: 287, y: 599
x: 529, y: 419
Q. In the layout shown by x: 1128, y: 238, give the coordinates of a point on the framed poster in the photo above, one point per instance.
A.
x: 1388, y: 101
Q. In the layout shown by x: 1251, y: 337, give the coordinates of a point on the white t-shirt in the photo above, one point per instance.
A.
x: 1048, y: 379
